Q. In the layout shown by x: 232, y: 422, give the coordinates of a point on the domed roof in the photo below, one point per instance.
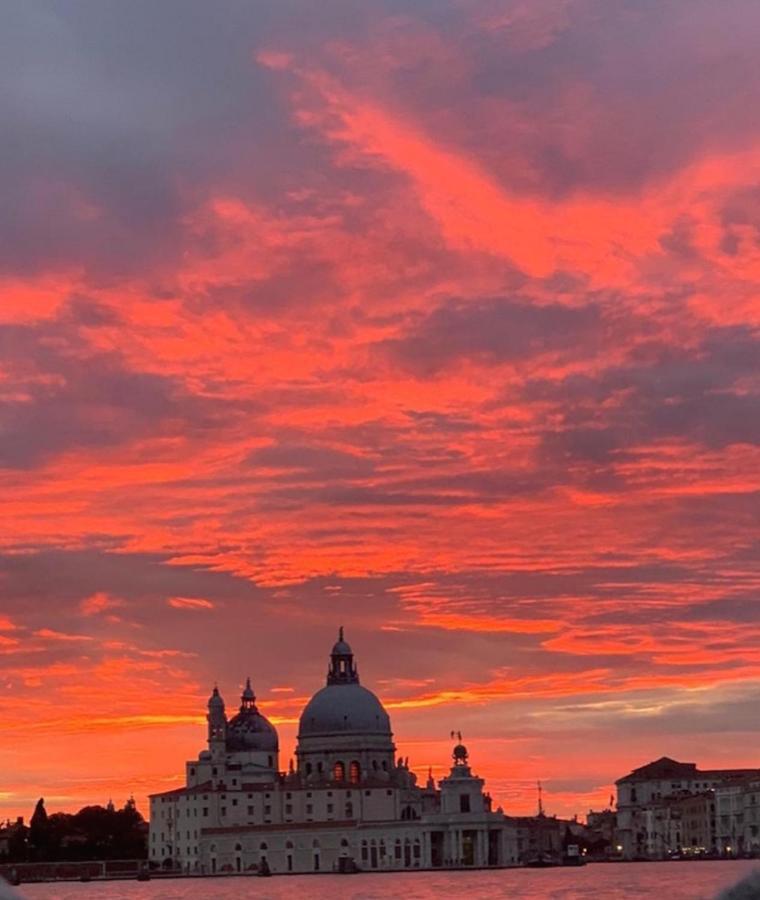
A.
x: 249, y: 730
x: 344, y: 708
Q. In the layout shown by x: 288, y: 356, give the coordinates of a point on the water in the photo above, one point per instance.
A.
x: 610, y: 881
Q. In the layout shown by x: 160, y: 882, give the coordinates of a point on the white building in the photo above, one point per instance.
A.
x: 347, y: 802
x: 649, y: 796
x: 738, y: 817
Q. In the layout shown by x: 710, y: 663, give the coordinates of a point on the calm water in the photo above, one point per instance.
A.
x: 665, y: 881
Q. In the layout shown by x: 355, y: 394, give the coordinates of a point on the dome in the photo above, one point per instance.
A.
x: 249, y: 730
x: 344, y: 708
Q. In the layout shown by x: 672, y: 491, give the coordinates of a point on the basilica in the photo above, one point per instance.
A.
x: 347, y: 804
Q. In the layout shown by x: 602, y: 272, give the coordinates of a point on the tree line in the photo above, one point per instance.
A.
x: 93, y: 833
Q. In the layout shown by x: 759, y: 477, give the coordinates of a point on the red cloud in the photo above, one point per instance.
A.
x: 190, y: 603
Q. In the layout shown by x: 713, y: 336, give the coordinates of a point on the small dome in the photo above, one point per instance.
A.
x: 344, y: 708
x: 249, y: 730
x: 460, y: 754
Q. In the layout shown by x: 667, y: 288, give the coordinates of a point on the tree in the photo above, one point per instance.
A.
x: 39, y: 831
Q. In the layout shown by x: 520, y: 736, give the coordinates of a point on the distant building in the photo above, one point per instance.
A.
x: 13, y: 837
x: 737, y: 808
x: 538, y: 838
x: 347, y: 801
x: 668, y: 807
x: 601, y: 828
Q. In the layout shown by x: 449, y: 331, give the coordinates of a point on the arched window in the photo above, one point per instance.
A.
x: 263, y: 846
x: 308, y: 768
x: 339, y: 771
x: 289, y: 845
x: 320, y: 768
x: 315, y: 844
x: 238, y: 848
x: 354, y: 772
x: 385, y: 765
x: 344, y: 842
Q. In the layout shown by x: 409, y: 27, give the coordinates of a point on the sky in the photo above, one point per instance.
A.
x: 435, y: 319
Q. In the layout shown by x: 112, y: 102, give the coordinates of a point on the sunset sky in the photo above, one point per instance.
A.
x: 438, y: 319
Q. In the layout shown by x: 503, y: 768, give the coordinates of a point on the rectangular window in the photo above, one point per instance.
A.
x: 205, y: 810
x: 250, y: 810
x: 234, y: 802
x: 288, y: 809
x: 267, y: 810
x: 329, y: 807
x: 309, y: 809
x: 464, y: 803
x: 224, y: 810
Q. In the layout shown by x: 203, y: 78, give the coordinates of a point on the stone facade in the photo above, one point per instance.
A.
x: 669, y: 808
x: 348, y: 802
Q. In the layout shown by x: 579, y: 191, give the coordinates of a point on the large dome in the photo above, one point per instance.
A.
x: 344, y: 709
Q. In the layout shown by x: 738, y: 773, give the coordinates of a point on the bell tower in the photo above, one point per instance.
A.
x: 217, y: 724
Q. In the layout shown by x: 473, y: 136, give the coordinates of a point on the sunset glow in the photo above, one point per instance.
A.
x: 438, y: 320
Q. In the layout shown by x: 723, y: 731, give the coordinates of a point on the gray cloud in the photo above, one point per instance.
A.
x: 490, y: 331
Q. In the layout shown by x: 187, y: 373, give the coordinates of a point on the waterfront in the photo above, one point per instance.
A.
x: 612, y: 881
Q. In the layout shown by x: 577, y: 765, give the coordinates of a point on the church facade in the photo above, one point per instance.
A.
x: 348, y: 802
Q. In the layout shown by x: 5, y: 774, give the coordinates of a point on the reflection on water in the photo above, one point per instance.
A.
x: 611, y: 881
